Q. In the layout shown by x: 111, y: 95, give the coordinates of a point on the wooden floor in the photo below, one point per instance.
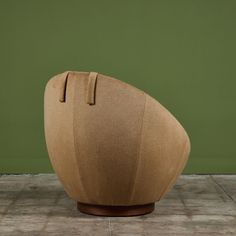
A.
x: 201, y: 205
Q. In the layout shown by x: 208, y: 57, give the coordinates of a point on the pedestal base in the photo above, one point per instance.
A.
x: 104, y: 210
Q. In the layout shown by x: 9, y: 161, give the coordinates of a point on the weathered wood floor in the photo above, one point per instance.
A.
x: 201, y: 205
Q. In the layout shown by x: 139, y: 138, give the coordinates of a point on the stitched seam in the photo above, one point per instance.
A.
x: 76, y: 152
x: 138, y: 151
x: 179, y: 167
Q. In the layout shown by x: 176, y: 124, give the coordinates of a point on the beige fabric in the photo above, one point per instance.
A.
x: 91, y: 88
x: 63, y: 84
x: 109, y: 142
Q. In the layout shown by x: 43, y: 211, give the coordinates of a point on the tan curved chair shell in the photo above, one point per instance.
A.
x: 115, y: 149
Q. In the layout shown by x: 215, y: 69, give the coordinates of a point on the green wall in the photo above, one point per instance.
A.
x: 180, y: 52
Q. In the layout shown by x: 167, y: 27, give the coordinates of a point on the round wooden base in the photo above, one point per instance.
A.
x: 104, y: 210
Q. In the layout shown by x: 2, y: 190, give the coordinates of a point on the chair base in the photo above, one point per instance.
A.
x: 104, y: 210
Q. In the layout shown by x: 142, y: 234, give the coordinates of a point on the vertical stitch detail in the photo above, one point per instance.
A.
x: 76, y: 148
x: 139, y: 150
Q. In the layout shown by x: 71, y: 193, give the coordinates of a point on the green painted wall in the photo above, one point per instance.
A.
x: 180, y: 52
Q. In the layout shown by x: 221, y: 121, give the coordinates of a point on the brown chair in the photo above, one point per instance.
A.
x: 115, y: 149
